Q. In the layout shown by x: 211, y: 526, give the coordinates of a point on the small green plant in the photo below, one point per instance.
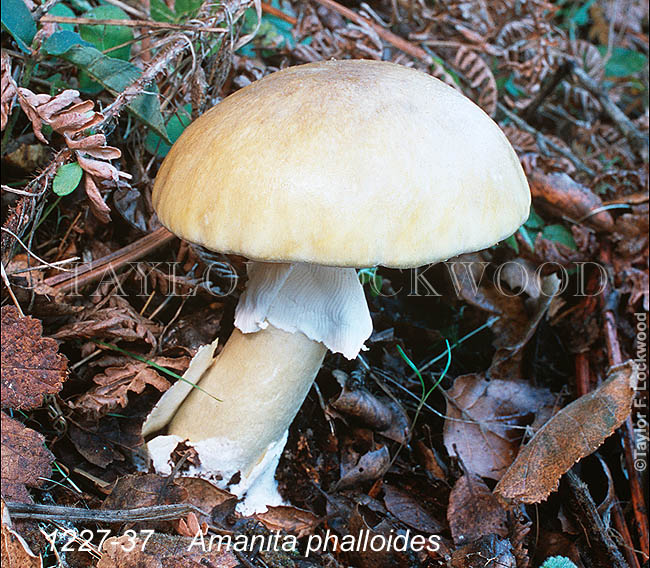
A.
x: 425, y: 393
x: 370, y: 276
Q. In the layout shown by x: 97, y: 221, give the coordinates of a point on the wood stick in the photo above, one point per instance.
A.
x: 627, y: 429
x: 520, y: 123
x: 395, y: 40
x: 36, y: 512
x: 66, y: 282
x: 130, y: 24
x: 638, y: 140
x: 278, y: 13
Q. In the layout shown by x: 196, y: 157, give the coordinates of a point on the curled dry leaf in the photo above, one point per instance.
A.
x: 217, y: 503
x: 486, y: 420
x: 289, y: 519
x: 470, y: 282
x: 98, y: 169
x: 98, y: 206
x: 561, y: 196
x: 8, y: 92
x: 573, y: 433
x: 474, y: 511
x: 480, y: 76
x: 369, y: 467
x: 25, y: 460
x: 144, y: 490
x: 111, y: 323
x: 363, y: 405
x: 15, y: 551
x: 115, y: 383
x: 103, y: 441
x: 407, y: 509
x: 72, y: 121
x: 31, y: 363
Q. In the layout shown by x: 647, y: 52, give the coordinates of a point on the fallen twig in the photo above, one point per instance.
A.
x: 131, y: 24
x: 637, y: 139
x: 585, y: 509
x: 36, y: 512
x: 395, y: 40
x: 160, y: 62
x: 627, y: 429
x: 273, y: 11
x: 523, y: 125
x: 583, y: 386
x: 62, y: 283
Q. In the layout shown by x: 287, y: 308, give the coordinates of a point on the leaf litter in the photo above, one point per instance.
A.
x: 524, y: 343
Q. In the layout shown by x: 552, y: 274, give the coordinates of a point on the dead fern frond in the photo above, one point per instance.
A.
x: 480, y: 78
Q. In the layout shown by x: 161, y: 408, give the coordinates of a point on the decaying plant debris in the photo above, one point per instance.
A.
x: 532, y: 443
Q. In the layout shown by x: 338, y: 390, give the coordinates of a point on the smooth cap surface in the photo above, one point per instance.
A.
x: 343, y: 163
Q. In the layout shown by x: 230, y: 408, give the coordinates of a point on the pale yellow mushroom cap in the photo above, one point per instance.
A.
x: 343, y: 163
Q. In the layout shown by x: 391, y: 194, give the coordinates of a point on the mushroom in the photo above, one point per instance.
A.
x: 311, y: 172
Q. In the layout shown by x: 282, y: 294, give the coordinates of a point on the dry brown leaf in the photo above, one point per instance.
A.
x: 25, y: 460
x: 561, y: 196
x: 103, y: 441
x: 94, y: 145
x: 289, y: 519
x: 631, y: 231
x: 367, y: 467
x: 407, y: 509
x: 111, y: 323
x: 98, y: 169
x: 31, y: 363
x: 573, y: 433
x: 162, y: 551
x: 8, y: 93
x: 467, y: 274
x: 144, y: 490
x: 480, y: 76
x: 15, y: 551
x: 474, y: 511
x: 217, y: 503
x: 98, y: 206
x: 486, y: 419
x: 115, y: 383
x: 488, y: 551
x: 363, y: 405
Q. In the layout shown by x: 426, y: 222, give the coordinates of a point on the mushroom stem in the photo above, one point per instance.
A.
x: 262, y: 380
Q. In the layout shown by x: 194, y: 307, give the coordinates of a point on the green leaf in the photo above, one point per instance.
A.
x: 105, y: 37
x: 525, y: 235
x: 61, y: 9
x: 18, y: 21
x: 60, y: 42
x: 509, y: 86
x: 175, y: 126
x: 57, y: 84
x: 534, y: 221
x: 67, y: 178
x: 113, y: 74
x: 559, y: 234
x: 187, y: 8
x: 511, y: 241
x: 273, y: 33
x: 623, y: 62
x: 160, y: 12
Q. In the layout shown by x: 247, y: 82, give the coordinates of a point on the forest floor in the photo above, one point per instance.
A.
x: 497, y: 413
